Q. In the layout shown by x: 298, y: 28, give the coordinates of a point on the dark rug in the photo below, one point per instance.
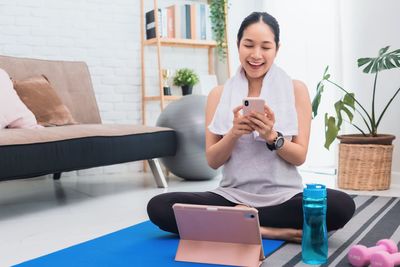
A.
x: 375, y: 218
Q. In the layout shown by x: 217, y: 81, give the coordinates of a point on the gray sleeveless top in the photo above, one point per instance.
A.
x: 254, y: 175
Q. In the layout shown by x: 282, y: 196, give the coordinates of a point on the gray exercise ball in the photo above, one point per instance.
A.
x: 187, y: 117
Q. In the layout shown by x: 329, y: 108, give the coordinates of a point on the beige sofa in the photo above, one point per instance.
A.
x: 26, y: 153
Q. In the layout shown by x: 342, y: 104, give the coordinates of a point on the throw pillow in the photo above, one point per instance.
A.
x: 13, y: 112
x: 38, y: 95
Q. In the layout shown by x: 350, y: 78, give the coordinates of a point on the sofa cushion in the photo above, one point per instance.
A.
x: 75, y: 147
x: 70, y: 79
x: 39, y: 96
x: 53, y: 134
x: 13, y: 112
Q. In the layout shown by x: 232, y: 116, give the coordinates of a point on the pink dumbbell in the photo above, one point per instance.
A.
x: 360, y: 255
x: 384, y: 259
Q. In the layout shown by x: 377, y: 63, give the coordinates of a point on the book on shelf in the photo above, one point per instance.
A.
x: 184, y: 21
x: 187, y: 21
x: 177, y: 21
x: 171, y: 22
x: 193, y: 21
x: 201, y: 8
x: 164, y: 23
x: 151, y: 23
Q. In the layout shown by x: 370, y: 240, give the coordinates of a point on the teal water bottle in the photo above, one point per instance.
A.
x: 314, y: 246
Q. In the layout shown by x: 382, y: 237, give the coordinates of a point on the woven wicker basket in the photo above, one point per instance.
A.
x: 365, y: 167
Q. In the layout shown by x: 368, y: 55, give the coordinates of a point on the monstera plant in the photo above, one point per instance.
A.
x: 348, y: 105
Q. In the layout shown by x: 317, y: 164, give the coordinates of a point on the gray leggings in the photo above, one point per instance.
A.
x: 289, y: 214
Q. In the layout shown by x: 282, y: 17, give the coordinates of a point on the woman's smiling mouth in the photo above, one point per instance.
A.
x: 255, y: 64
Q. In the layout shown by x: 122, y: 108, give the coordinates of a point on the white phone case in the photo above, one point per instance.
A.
x: 253, y: 103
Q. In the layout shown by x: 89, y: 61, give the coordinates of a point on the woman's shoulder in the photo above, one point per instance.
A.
x: 216, y: 92
x: 299, y: 85
x: 300, y: 90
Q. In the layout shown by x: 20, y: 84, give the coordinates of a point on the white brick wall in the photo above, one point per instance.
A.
x: 106, y: 35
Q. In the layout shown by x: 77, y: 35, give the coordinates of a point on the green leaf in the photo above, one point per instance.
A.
x: 326, y: 70
x: 348, y: 112
x: 338, y: 107
x: 363, y: 61
x: 348, y: 99
x: 385, y: 60
x: 341, y: 106
x: 375, y: 66
x: 397, y: 62
x: 368, y: 67
x: 395, y: 59
x: 317, y: 99
x: 381, y: 64
x: 389, y: 64
x: 383, y: 50
x: 331, y: 131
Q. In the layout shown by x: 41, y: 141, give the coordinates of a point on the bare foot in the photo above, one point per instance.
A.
x: 288, y: 234
x: 241, y: 206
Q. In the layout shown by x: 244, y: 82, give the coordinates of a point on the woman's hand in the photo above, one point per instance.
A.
x: 241, y: 124
x: 263, y: 123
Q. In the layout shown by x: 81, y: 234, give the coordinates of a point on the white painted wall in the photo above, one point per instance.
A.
x: 106, y: 35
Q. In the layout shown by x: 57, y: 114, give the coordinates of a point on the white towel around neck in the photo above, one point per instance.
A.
x: 277, y: 91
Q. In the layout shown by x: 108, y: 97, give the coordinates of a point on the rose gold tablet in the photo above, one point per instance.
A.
x: 218, y: 235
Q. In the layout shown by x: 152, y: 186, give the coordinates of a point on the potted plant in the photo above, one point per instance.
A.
x: 365, y: 158
x: 186, y: 78
x: 218, y: 26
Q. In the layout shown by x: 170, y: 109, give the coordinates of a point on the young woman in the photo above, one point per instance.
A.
x: 259, y: 152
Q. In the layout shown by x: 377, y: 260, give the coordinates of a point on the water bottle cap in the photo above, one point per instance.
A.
x: 314, y: 191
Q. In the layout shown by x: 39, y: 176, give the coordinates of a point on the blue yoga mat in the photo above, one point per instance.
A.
x: 143, y: 244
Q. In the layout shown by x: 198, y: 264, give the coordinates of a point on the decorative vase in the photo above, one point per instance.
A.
x: 365, y: 162
x: 187, y: 89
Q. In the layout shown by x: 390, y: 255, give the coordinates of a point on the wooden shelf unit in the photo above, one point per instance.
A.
x: 159, y: 42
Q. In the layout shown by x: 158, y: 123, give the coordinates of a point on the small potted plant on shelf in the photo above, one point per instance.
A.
x: 364, y: 159
x: 186, y: 78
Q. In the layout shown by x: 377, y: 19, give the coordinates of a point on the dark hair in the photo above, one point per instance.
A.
x: 257, y: 17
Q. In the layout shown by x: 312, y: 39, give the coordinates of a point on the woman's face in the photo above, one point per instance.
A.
x: 257, y: 49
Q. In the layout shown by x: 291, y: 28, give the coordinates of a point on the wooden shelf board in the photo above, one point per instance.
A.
x: 166, y: 97
x: 181, y: 42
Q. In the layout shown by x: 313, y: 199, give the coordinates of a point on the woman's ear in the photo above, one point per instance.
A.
x: 277, y: 48
x: 237, y: 43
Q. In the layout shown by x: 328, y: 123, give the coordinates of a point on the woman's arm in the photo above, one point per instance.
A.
x: 218, y: 148
x: 294, y: 151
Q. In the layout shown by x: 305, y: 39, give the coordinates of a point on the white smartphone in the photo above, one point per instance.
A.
x: 253, y: 104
